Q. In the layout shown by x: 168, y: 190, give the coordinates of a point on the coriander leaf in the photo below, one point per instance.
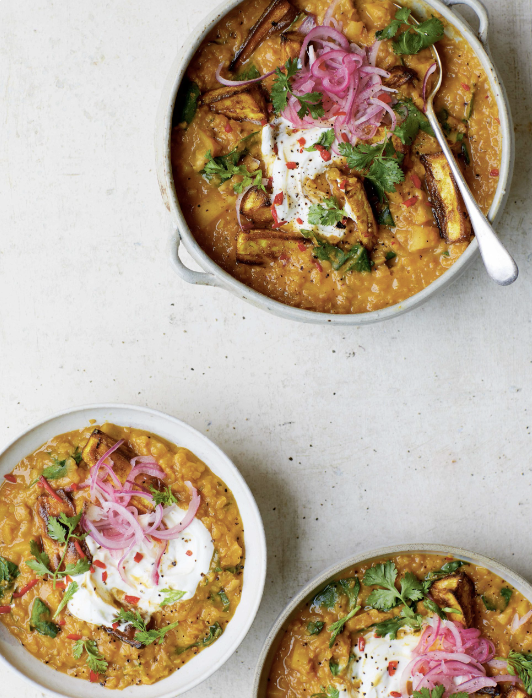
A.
x: 326, y: 598
x: 172, y: 596
x: 325, y: 140
x: 506, y: 594
x: 326, y: 213
x: 488, y: 603
x: 392, y: 625
x: 379, y: 163
x: 330, y: 692
x: 431, y: 605
x: 214, y: 633
x: 315, y: 627
x: 336, y: 628
x: 383, y: 599
x: 385, y: 173
x: 334, y: 667
x: 465, y: 153
x: 401, y: 17
x: 390, y: 255
x: 448, y: 568
x: 70, y: 521
x: 413, y: 121
x: 408, y: 43
x: 383, y: 574
x: 8, y: 573
x: 384, y: 217
x: 95, y: 661
x: 69, y: 593
x: 225, y: 166
x: 40, y: 624
x: 250, y: 73
x: 411, y: 587
x: 56, y: 530
x: 281, y: 85
x: 521, y: 665
x: 77, y: 456
x: 75, y: 568
x: 186, y: 103
x: 132, y: 618
x: 165, y: 497
x: 149, y: 636
x: 359, y: 157
x: 57, y: 470
x: 310, y: 102
x: 351, y: 591
x: 225, y: 601
x: 437, y: 692
x: 41, y: 564
x: 418, y: 37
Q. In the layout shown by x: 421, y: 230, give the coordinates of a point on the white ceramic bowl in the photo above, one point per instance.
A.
x: 276, y: 633
x: 44, y: 678
x: 213, y: 275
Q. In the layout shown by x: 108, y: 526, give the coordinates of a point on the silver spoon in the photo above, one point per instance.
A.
x: 497, y: 260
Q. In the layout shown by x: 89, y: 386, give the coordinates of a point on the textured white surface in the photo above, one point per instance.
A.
x: 414, y: 430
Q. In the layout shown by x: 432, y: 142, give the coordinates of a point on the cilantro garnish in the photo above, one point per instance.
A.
x: 172, y: 596
x: 506, y: 594
x: 521, y: 665
x: 325, y: 140
x: 225, y: 166
x: 60, y: 529
x: 144, y: 636
x: 77, y: 456
x: 214, y: 633
x: 437, y: 692
x: 225, y: 601
x: 385, y: 575
x: 57, y: 470
x: 334, y: 667
x: 249, y: 73
x: 379, y: 164
x: 446, y: 569
x: 165, y: 497
x: 40, y: 624
x: 311, y: 102
x: 95, y: 660
x: 336, y: 628
x: 413, y: 121
x: 8, y: 573
x: 314, y: 627
x: 69, y: 593
x: 326, y: 213
x: 488, y: 603
x: 186, y: 102
x: 329, y: 692
x: 337, y: 257
x: 390, y: 255
x: 416, y: 37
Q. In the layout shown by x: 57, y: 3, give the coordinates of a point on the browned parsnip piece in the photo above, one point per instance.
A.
x: 449, y: 210
x: 277, y: 17
x: 256, y: 205
x: 241, y: 103
x: 456, y: 591
x: 258, y: 246
x: 399, y: 76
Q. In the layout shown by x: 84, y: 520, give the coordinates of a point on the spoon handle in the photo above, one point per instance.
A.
x: 497, y: 260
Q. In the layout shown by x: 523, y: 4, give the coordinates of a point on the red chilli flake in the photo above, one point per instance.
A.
x: 5, y: 609
x: 494, y: 172
x: 415, y: 180
x: 50, y: 490
x: 345, y: 137
x: 361, y: 644
x: 94, y: 677
x: 10, y: 478
x: 74, y: 636
x: 189, y: 552
x: 92, y: 570
x: 342, y: 184
x: 410, y: 202
x: 25, y: 589
x: 132, y: 599
x: 318, y: 266
x: 115, y: 625
x: 301, y: 247
x: 104, y: 577
x: 386, y: 98
x: 74, y: 487
x: 100, y: 564
x: 279, y: 198
x: 299, y: 220
x: 341, y: 113
x: 138, y: 557
x: 61, y: 622
x: 291, y: 165
x: 228, y: 128
x: 395, y: 694
x: 263, y: 122
x: 325, y: 155
x: 302, y: 141
x: 466, y: 87
x: 78, y: 548
x: 60, y: 585
x: 276, y: 149
x: 392, y: 667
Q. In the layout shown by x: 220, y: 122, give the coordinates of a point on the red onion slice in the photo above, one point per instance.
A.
x: 189, y: 516
x: 235, y: 83
x: 429, y: 72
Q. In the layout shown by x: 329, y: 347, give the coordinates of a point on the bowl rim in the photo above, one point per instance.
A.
x: 217, y: 276
x: 221, y: 465
x: 274, y: 635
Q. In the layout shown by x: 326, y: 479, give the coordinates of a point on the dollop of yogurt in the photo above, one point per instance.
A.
x: 184, y: 564
x: 279, y: 146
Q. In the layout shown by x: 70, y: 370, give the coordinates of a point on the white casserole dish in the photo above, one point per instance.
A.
x: 54, y: 683
x: 213, y: 275
x: 276, y: 633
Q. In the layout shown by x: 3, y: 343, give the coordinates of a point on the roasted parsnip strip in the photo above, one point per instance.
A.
x: 47, y: 507
x: 256, y: 205
x: 241, y: 103
x: 258, y: 246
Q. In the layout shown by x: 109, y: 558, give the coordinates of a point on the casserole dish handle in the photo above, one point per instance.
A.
x: 188, y: 275
x: 481, y: 13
